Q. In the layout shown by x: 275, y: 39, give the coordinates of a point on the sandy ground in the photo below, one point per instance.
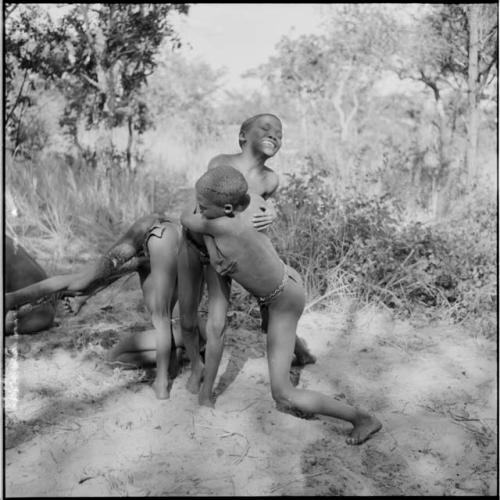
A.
x: 77, y: 426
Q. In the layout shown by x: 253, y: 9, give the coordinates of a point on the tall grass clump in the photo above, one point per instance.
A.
x: 348, y: 243
x: 59, y: 209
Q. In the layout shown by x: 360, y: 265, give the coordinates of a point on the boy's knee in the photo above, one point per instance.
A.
x: 188, y: 326
x: 158, y: 306
x: 216, y: 326
x: 160, y: 316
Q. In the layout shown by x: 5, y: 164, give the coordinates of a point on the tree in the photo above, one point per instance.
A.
x: 330, y: 76
x: 183, y: 90
x: 482, y: 68
x: 99, y: 56
x: 452, y: 50
x: 25, y: 57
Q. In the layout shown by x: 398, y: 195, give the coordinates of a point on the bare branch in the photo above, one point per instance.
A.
x: 18, y: 98
x: 9, y: 9
x: 354, y: 110
x: 483, y: 74
x: 488, y: 35
x: 92, y: 82
x: 432, y: 84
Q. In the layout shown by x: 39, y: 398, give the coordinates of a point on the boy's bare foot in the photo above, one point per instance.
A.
x: 363, y: 429
x: 72, y: 305
x: 194, y: 381
x: 161, y: 388
x: 204, y: 400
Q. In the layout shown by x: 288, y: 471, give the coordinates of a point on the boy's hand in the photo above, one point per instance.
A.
x: 263, y: 219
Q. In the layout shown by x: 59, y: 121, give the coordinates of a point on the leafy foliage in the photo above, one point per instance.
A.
x: 98, y: 55
x: 361, y: 246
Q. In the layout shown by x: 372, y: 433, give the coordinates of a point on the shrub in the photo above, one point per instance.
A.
x: 361, y: 246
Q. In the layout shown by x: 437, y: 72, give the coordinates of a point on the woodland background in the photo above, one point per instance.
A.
x: 388, y: 170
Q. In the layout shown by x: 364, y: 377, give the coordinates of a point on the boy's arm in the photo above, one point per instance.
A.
x: 262, y: 220
x: 194, y: 222
x: 198, y: 224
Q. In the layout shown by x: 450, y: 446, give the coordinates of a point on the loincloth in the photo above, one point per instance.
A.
x: 132, y: 250
x: 157, y: 229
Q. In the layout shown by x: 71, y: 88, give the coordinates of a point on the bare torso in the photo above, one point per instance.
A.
x: 244, y: 253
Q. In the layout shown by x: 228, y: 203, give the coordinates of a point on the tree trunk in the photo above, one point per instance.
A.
x: 472, y: 119
x: 130, y: 142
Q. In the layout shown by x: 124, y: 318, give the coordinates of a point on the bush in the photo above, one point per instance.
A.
x: 360, y: 245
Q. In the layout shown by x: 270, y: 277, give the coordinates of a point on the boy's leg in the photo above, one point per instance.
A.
x: 32, y: 293
x: 302, y: 354
x: 283, y: 318
x: 95, y: 276
x: 219, y: 289
x: 38, y: 318
x: 137, y: 349
x: 190, y: 280
x: 159, y: 291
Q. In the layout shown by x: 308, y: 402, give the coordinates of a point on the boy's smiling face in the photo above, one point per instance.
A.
x: 265, y: 135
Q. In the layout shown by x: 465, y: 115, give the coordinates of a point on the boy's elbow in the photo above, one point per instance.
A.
x: 187, y: 222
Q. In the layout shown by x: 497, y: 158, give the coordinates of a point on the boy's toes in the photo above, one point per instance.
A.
x: 351, y: 440
x: 67, y: 305
x: 363, y: 430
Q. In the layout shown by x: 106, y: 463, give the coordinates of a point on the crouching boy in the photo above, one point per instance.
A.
x: 238, y: 250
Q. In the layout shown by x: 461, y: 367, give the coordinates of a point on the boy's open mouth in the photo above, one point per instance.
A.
x: 268, y: 142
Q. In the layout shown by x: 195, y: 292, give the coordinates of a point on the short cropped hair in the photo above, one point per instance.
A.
x: 223, y: 184
x: 248, y: 123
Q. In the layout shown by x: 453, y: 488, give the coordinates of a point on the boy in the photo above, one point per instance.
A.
x: 260, y: 138
x: 238, y: 250
x: 149, y: 247
x: 22, y: 270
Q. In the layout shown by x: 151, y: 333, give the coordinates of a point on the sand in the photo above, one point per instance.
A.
x: 77, y: 426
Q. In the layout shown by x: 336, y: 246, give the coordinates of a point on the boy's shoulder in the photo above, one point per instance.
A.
x: 221, y: 159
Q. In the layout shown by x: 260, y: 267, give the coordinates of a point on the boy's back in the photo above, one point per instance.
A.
x: 247, y: 255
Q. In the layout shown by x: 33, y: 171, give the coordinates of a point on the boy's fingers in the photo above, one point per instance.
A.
x: 261, y: 225
x: 262, y: 217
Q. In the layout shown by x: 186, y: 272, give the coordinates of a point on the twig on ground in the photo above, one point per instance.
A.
x: 245, y: 452
x: 193, y: 432
x: 243, y: 409
x: 280, y: 486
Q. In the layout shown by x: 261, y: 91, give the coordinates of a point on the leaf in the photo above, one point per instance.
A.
x: 71, y: 52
